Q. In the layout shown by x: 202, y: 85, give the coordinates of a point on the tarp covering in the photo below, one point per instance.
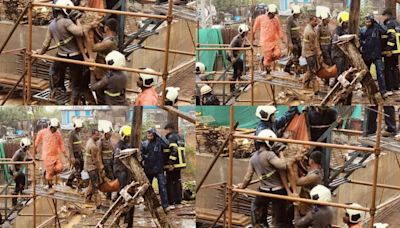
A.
x: 210, y: 36
x: 5, y: 167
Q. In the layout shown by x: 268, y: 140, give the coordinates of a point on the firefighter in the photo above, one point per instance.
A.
x: 52, y: 146
x: 75, y: 152
x: 266, y: 114
x: 177, y: 163
x: 293, y: 39
x: 266, y: 164
x: 106, y: 149
x: 147, y: 82
x: 152, y: 150
x: 103, y: 48
x: 115, y: 81
x: 270, y: 34
x: 370, y: 40
x: 17, y: 172
x: 312, y: 52
x: 93, y: 165
x: 235, y: 56
x: 391, y: 61
x: 63, y: 31
x: 171, y: 97
x: 352, y: 217
x: 324, y: 37
x: 338, y: 57
x: 207, y: 96
x: 319, y: 216
x: 200, y: 70
x: 121, y: 172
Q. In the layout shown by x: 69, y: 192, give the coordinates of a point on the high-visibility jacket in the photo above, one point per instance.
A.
x: 176, y: 150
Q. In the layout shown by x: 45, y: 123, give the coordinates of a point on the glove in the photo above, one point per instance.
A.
x: 15, y: 175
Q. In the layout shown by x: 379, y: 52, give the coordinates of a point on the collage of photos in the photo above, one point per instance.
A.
x: 200, y: 113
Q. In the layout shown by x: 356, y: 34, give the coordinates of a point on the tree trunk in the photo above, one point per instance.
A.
x: 391, y: 4
x: 136, y: 126
x: 354, y: 21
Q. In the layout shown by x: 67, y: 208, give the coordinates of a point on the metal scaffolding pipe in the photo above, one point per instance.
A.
x: 378, y: 185
x: 171, y: 51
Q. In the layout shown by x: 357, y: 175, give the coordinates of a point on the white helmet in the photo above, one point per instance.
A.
x: 321, y: 193
x: 381, y: 225
x: 65, y: 3
x: 200, y: 68
x: 268, y: 133
x: 54, y: 122
x: 78, y: 123
x: 243, y: 28
x: 296, y: 9
x: 25, y: 142
x: 116, y: 58
x: 205, y: 89
x: 149, y: 80
x: 272, y: 8
x: 104, y: 126
x: 355, y: 216
x: 264, y: 112
x: 322, y: 12
x: 172, y: 94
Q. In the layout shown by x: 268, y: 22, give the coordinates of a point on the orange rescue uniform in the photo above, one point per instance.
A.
x: 148, y: 97
x: 52, y: 146
x: 270, y: 34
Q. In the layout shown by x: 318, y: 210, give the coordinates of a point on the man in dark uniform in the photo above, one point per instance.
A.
x: 106, y: 149
x: 234, y: 57
x: 338, y: 57
x: 22, y: 154
x: 207, y: 96
x: 75, y: 151
x: 293, y: 38
x: 324, y: 38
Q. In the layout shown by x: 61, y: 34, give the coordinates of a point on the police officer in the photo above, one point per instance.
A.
x: 266, y: 114
x: 75, y: 151
x: 391, y: 61
x: 207, y: 96
x: 114, y: 82
x: 171, y: 96
x: 266, y: 164
x: 177, y: 162
x: 22, y: 154
x: 353, y: 218
x: 234, y: 56
x: 293, y: 38
x: 152, y: 150
x: 106, y: 149
x: 319, y: 216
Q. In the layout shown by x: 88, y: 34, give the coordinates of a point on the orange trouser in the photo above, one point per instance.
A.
x: 53, y: 166
x: 271, y: 52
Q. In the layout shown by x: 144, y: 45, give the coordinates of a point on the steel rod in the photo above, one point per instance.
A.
x: 171, y: 51
x: 311, y: 143
x: 213, y: 45
x: 14, y: 27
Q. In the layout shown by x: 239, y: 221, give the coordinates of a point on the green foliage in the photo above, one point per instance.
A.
x: 9, y: 116
x: 366, y: 9
x: 230, y: 5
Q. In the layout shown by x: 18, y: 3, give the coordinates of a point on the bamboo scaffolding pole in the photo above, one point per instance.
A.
x: 348, y: 131
x: 311, y: 143
x: 107, y: 11
x: 213, y: 45
x: 34, y: 182
x: 252, y: 59
x: 225, y: 49
x: 29, y: 55
x: 298, y: 199
x: 229, y: 185
x: 171, y: 51
x: 16, y: 162
x: 12, y: 51
x: 177, y: 68
x: 90, y: 64
x: 179, y: 113
x: 378, y: 185
x: 376, y: 165
x: 223, y: 82
x: 16, y: 196
x: 255, y: 100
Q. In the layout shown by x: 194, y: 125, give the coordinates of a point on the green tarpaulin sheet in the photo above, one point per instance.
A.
x: 210, y: 36
x: 7, y: 175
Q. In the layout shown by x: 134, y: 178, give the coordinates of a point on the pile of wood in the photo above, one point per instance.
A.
x: 210, y: 215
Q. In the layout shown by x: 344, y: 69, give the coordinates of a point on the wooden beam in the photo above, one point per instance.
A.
x: 391, y: 4
x: 136, y: 126
x: 354, y: 21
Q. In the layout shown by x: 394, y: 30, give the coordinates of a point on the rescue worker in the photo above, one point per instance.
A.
x: 178, y: 162
x: 121, y: 172
x: 200, y: 70
x: 235, y: 56
x: 115, y: 81
x: 293, y: 39
x: 312, y: 52
x: 106, y: 149
x: 371, y: 50
x: 266, y: 114
x: 392, y: 77
x: 338, y: 57
x: 75, y: 153
x: 17, y: 171
x: 270, y: 34
x: 313, y: 178
x: 171, y: 97
x: 390, y: 120
x: 52, y: 146
x: 94, y: 166
x: 207, y: 96
x: 152, y: 150
x: 266, y: 164
x: 63, y: 31
x: 103, y: 48
x: 146, y: 82
x: 352, y: 217
x: 324, y: 37
x: 319, y: 216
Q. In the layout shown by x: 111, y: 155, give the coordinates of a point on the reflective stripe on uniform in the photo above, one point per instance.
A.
x: 295, y: 28
x: 172, y: 158
x: 305, y: 40
x: 166, y: 150
x: 390, y: 44
x: 391, y: 31
x: 64, y: 42
x: 106, y: 151
x: 384, y: 36
x: 77, y: 142
x: 112, y: 94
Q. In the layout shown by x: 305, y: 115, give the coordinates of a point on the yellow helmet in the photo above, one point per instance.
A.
x: 343, y: 17
x: 125, y: 131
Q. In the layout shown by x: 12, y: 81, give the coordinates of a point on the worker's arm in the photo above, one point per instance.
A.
x: 71, y: 145
x: 61, y: 144
x: 275, y: 161
x: 247, y: 178
x: 14, y: 158
x: 305, y: 221
x: 39, y: 139
x: 102, y: 84
x: 76, y: 30
x: 279, y: 28
x: 46, y: 43
x: 103, y: 46
x: 256, y: 25
x: 308, y: 180
x: 287, y: 117
x: 94, y: 151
